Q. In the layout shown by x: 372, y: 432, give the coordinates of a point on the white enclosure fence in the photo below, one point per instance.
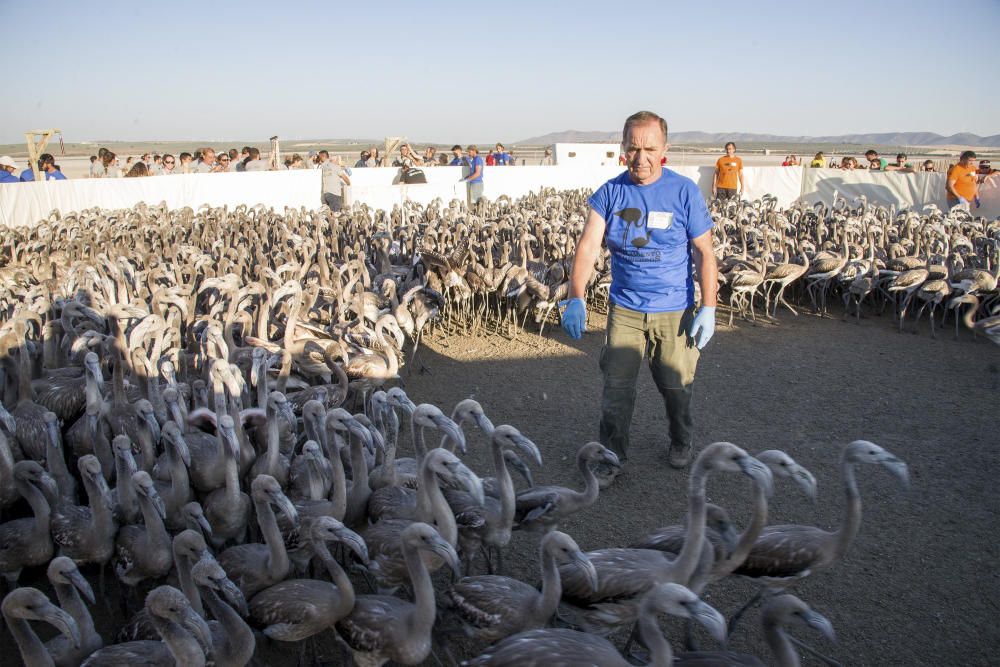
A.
x: 24, y: 204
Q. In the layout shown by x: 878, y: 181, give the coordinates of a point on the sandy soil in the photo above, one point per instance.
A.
x: 920, y: 585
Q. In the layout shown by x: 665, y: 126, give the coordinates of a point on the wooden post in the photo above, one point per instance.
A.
x: 35, y: 150
x: 391, y: 144
x: 275, y: 158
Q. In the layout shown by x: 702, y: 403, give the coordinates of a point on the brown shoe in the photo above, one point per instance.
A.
x: 679, y: 455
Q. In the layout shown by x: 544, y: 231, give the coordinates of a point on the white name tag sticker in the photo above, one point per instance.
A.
x: 660, y: 219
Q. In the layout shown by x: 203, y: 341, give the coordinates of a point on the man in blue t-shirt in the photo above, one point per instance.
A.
x: 46, y: 163
x: 457, y: 159
x: 654, y: 223
x: 475, y: 177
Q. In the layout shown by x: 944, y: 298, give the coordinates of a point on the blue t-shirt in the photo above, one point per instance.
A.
x: 649, y: 231
x: 459, y: 162
x: 503, y: 159
x: 7, y: 177
x: 473, y: 163
x: 27, y: 176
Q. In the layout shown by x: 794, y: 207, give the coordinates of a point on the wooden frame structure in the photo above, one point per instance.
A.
x: 36, y: 149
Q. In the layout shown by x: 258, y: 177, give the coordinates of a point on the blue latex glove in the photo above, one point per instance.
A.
x: 574, y: 318
x: 703, y: 326
x: 963, y: 200
x: 977, y: 202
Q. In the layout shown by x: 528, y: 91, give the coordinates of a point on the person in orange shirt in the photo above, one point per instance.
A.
x: 961, y: 186
x: 728, y: 181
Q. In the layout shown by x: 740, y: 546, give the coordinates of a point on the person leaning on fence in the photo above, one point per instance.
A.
x: 875, y: 163
x: 205, y: 164
x: 7, y: 169
x: 47, y: 165
x: 928, y: 165
x: 654, y: 223
x: 818, y: 162
x: 169, y: 165
x: 97, y: 166
x: 222, y: 163
x: 501, y: 157
x: 900, y: 165
x: 547, y: 160
x: 985, y: 171
x: 475, y: 177
x: 335, y: 177
x: 457, y: 159
x: 960, y: 184
x: 407, y: 158
x: 254, y: 162
x: 848, y: 163
x: 241, y: 159
x: 728, y: 180
x: 139, y: 169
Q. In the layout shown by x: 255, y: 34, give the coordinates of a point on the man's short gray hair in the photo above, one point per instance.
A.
x: 640, y: 117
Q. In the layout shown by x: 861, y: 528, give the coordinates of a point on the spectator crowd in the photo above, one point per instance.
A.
x: 410, y: 162
x: 874, y: 162
x: 106, y: 164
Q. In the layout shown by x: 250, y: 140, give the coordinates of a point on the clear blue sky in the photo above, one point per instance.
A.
x: 480, y: 71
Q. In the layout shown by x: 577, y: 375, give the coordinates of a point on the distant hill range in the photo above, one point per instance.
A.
x: 719, y: 138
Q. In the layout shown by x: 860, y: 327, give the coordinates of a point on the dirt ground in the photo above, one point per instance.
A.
x: 919, y: 586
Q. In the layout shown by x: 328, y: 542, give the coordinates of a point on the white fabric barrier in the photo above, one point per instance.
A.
x: 892, y: 188
x: 380, y: 189
x: 782, y: 182
x: 386, y: 176
x: 24, y: 204
x: 519, y: 181
x: 785, y: 183
x: 886, y: 188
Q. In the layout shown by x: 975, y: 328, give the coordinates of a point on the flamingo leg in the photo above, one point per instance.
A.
x: 809, y: 649
x: 735, y: 619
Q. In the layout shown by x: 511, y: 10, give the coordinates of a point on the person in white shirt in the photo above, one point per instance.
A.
x: 254, y: 163
x: 335, y: 177
x: 206, y: 163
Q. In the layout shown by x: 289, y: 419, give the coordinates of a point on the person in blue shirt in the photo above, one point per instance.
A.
x: 475, y: 177
x: 655, y: 225
x: 7, y: 169
x: 458, y: 160
x: 502, y: 157
x: 47, y: 164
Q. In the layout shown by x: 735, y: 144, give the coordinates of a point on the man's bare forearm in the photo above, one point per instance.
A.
x: 708, y: 277
x: 583, y: 268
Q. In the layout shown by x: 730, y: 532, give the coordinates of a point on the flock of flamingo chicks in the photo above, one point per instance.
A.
x: 206, y: 407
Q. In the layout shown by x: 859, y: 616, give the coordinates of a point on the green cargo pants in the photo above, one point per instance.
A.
x: 672, y: 360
